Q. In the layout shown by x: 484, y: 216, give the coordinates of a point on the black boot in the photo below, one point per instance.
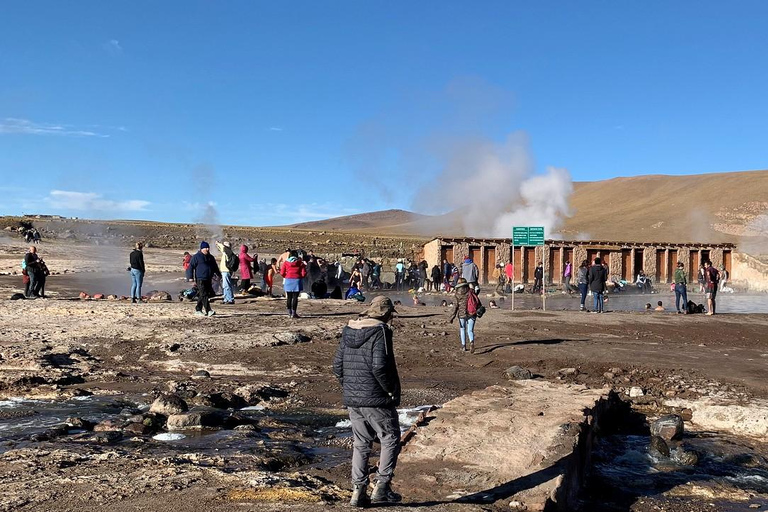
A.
x: 383, y: 493
x: 360, y: 496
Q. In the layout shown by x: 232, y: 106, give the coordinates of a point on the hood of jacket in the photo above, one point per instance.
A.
x: 362, y: 328
x: 243, y: 249
x: 462, y: 289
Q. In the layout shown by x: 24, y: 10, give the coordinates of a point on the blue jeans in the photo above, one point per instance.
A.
x: 137, y: 279
x: 681, y: 291
x: 598, y: 301
x: 226, y: 284
x: 466, y: 325
x: 583, y: 288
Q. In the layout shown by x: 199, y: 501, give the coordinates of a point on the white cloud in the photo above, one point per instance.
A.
x: 273, y: 214
x: 275, y: 129
x: 113, y: 46
x: 12, y: 125
x: 91, y: 201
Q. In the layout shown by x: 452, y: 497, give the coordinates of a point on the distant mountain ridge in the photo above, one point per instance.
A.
x: 719, y: 207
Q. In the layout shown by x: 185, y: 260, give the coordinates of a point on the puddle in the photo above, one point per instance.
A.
x: 407, y: 417
x: 731, y: 472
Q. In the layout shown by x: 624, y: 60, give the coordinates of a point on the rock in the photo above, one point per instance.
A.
x: 201, y: 374
x: 754, y: 505
x: 291, y: 338
x: 168, y: 405
x: 109, y: 437
x: 658, y: 447
x: 138, y: 429
x: 517, y: 506
x: 635, y: 392
x: 84, y: 295
x: 568, y: 371
x: 686, y: 414
x: 80, y: 423
x: 159, y: 296
x: 248, y: 427
x: 609, y: 375
x: 252, y: 394
x: 685, y: 456
x: 111, y: 297
x: 98, y: 296
x: 668, y: 427
x: 518, y: 373
x: 193, y: 420
x: 108, y: 426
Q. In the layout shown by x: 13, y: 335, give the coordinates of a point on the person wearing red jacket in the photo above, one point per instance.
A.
x: 293, y: 270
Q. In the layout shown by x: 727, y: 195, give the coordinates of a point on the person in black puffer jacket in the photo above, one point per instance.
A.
x: 366, y: 369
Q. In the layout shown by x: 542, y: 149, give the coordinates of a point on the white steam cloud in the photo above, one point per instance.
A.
x: 493, y: 187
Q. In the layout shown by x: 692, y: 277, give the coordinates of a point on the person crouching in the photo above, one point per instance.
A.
x: 366, y: 369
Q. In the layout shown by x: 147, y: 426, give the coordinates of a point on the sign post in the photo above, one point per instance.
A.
x: 523, y: 236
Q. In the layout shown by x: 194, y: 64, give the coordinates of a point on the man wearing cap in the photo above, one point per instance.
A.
x: 365, y: 366
x: 203, y: 266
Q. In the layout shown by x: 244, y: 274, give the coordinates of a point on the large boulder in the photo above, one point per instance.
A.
x: 658, y: 447
x: 195, y: 419
x: 159, y: 296
x: 668, y: 427
x: 168, y: 405
x: 291, y: 338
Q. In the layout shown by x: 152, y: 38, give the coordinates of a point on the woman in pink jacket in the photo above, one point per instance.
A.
x: 245, y: 269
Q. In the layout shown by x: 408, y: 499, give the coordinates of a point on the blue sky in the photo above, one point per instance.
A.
x: 291, y: 111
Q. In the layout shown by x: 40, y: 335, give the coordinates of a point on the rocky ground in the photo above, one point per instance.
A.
x: 283, y: 450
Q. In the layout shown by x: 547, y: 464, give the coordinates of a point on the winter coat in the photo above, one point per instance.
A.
x: 460, y: 306
x: 245, y: 264
x: 680, y: 277
x: 509, y: 269
x: 137, y: 260
x: 365, y: 365
x: 596, y: 278
x: 436, y: 274
x: 226, y: 253
x: 185, y: 261
x: 582, y: 275
x: 568, y: 271
x: 469, y: 271
x: 538, y: 273
x: 203, y: 266
x: 294, y: 268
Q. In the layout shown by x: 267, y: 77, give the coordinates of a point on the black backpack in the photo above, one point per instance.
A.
x: 232, y: 262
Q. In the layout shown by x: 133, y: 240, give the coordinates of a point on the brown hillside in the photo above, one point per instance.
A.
x: 387, y: 219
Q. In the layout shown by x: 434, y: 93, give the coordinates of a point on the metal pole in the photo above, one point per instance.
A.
x: 543, y: 280
x: 513, y: 273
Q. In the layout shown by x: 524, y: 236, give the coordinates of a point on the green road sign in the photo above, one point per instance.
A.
x: 536, y: 236
x: 520, y: 236
x: 523, y: 235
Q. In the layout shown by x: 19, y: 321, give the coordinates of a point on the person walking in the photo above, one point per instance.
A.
x: 137, y: 272
x: 712, y: 278
x: 399, y: 275
x: 204, y: 269
x: 567, y: 273
x: 32, y: 266
x: 245, y: 269
x: 681, y: 288
x: 365, y: 367
x: 470, y: 272
x: 702, y: 279
x: 467, y: 320
x: 294, y: 270
x: 538, y: 279
x: 228, y: 266
x: 597, y: 277
x: 582, y: 281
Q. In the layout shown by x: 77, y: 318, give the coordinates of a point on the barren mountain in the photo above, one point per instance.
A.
x: 722, y: 207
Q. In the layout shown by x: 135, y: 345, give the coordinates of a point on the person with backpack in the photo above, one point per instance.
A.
x: 597, y: 278
x: 471, y: 273
x: 204, y: 268
x: 137, y: 272
x: 230, y: 263
x: 245, y: 268
x: 583, y: 282
x: 466, y: 307
x: 294, y: 270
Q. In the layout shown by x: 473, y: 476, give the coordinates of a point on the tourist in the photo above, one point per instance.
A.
x: 702, y: 279
x: 356, y: 278
x: 597, y: 278
x: 466, y: 320
x: 499, y: 276
x: 376, y: 276
x: 659, y: 306
x: 509, y: 270
x: 643, y: 282
x: 365, y: 272
x: 294, y: 270
x: 228, y: 266
x: 647, y: 306
x: 423, y: 275
x: 245, y: 268
x: 283, y: 258
x: 724, y: 275
x: 538, y: 279
x: 32, y: 266
x: 447, y: 271
x: 137, y: 272
x: 582, y: 281
x: 567, y: 273
x: 712, y: 276
x: 269, y: 276
x: 470, y: 272
x: 185, y: 265
x: 43, y: 274
x: 399, y: 275
x: 437, y: 278
x: 681, y: 285
x: 204, y: 269
x: 366, y: 369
